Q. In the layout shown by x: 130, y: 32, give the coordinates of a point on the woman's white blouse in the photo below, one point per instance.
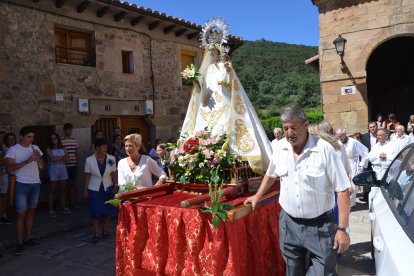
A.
x: 142, y: 175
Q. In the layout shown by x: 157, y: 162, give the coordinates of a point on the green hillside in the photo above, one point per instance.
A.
x: 275, y: 75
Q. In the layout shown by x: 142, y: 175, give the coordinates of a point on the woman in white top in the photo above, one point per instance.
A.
x: 100, y: 186
x: 137, y: 169
x: 58, y: 174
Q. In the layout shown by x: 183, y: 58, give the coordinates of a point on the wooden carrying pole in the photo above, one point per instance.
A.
x: 244, y: 210
x: 168, y: 188
x: 203, y: 198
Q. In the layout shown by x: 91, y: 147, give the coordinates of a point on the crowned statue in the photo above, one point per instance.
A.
x: 220, y: 104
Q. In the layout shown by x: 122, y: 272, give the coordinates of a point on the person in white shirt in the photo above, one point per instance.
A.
x: 24, y: 160
x: 278, y: 132
x: 357, y: 155
x: 381, y: 154
x: 400, y: 139
x: 356, y: 152
x: 137, y: 169
x: 100, y: 186
x: 310, y: 172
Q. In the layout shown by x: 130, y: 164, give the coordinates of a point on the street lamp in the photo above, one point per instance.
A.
x: 340, y: 48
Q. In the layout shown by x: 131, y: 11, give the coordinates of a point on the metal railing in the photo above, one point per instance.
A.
x: 74, y: 56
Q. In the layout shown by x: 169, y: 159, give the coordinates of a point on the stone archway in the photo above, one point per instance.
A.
x: 390, y: 79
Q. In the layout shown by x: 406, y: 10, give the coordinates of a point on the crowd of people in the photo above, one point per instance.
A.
x: 109, y: 167
x: 373, y: 150
x: 329, y: 158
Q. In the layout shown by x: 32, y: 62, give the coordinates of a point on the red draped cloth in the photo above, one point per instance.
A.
x: 158, y: 237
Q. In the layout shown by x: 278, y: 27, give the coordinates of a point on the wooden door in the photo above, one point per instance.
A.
x: 135, y: 124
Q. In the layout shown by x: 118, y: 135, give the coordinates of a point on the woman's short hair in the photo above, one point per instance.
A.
x: 100, y: 142
x: 135, y: 138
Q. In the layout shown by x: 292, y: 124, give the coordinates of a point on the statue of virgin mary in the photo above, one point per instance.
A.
x: 220, y: 104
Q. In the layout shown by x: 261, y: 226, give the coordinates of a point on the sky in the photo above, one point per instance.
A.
x: 290, y: 21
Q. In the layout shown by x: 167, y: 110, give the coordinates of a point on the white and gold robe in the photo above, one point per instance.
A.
x: 220, y: 103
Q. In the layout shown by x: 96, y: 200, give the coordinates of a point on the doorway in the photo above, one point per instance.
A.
x: 390, y: 79
x: 128, y: 125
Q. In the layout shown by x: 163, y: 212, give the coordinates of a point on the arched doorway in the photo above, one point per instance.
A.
x: 390, y: 79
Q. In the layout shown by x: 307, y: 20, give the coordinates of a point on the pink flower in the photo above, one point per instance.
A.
x: 207, y: 153
x: 216, y: 158
x: 201, y: 133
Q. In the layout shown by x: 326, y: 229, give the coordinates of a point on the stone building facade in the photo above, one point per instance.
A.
x: 37, y: 89
x: 378, y: 72
x: 122, y: 60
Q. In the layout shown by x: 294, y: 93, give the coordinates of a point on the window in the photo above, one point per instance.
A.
x: 73, y: 47
x: 399, y: 182
x: 187, y: 58
x: 128, y: 62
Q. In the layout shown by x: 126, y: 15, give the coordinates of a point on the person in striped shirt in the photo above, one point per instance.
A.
x: 72, y: 147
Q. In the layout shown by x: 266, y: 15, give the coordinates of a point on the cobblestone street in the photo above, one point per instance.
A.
x: 66, y: 248
x: 70, y: 253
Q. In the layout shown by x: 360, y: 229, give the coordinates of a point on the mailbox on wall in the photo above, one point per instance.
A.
x: 83, y: 105
x: 149, y: 107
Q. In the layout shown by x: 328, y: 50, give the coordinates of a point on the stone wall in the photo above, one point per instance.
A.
x: 365, y: 24
x: 30, y: 78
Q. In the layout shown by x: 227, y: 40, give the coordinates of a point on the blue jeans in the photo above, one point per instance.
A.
x: 26, y: 196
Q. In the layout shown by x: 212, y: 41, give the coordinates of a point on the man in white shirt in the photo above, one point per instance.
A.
x: 356, y: 152
x: 400, y: 139
x: 381, y: 154
x: 310, y: 172
x: 278, y: 132
x: 24, y: 160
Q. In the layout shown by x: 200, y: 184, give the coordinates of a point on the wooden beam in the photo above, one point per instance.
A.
x: 154, y: 25
x: 168, y: 29
x: 181, y: 32
x: 192, y: 35
x: 102, y: 11
x: 59, y: 3
x: 119, y: 16
x: 136, y: 20
x: 82, y: 6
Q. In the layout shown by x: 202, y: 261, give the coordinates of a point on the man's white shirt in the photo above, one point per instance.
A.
x: 307, y: 185
x: 400, y: 142
x: 380, y: 166
x: 357, y: 153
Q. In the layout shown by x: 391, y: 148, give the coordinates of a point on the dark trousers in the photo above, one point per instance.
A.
x: 315, y: 237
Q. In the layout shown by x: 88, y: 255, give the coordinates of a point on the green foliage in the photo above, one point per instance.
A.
x: 275, y: 75
x: 217, y: 208
x: 315, y: 115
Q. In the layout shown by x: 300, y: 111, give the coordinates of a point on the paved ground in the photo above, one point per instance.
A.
x: 66, y: 247
x: 357, y: 260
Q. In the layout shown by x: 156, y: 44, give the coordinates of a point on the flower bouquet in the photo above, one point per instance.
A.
x: 132, y: 183
x: 190, y: 74
x: 204, y: 159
